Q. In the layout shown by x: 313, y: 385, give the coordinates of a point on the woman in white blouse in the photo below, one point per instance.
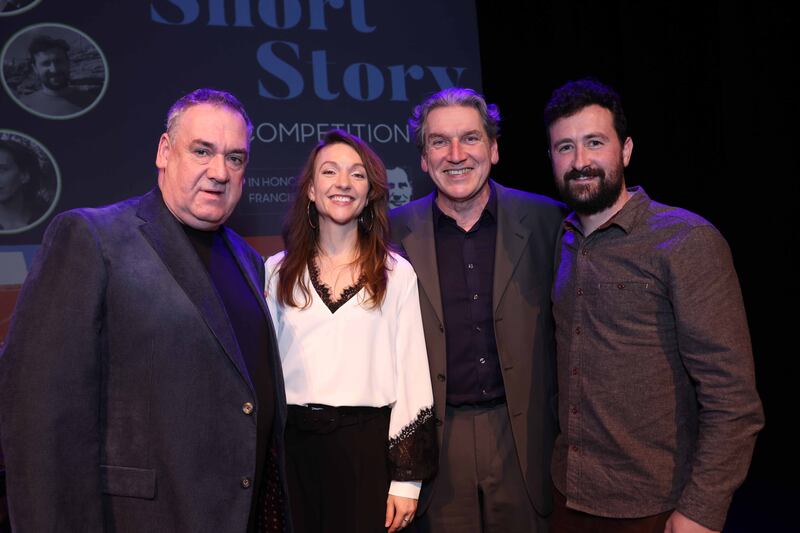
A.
x: 360, y: 436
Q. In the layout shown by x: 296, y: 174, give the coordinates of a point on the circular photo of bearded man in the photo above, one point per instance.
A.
x: 30, y: 182
x: 54, y: 71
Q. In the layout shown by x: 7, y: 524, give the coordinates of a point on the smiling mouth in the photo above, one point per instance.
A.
x: 457, y: 171
x: 341, y: 198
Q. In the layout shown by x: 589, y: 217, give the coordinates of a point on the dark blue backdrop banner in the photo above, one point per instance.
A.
x: 300, y: 67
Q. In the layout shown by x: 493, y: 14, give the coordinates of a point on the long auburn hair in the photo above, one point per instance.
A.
x: 300, y: 238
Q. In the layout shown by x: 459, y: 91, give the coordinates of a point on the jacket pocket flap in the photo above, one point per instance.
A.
x: 127, y: 481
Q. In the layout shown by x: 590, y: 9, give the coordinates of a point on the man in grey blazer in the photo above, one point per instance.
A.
x: 140, y: 384
x: 483, y: 255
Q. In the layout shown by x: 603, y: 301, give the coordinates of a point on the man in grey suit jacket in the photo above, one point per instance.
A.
x: 140, y: 385
x: 483, y: 255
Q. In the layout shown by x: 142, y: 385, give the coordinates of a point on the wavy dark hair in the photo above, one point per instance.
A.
x: 301, y: 228
x: 573, y: 96
x: 27, y: 161
x: 454, y: 96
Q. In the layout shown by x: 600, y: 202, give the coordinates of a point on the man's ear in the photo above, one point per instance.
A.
x: 164, y: 149
x: 627, y: 150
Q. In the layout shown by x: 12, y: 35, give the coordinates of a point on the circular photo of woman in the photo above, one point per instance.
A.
x: 30, y: 182
x: 54, y: 71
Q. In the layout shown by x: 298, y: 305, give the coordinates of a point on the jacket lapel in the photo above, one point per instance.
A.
x: 512, y: 237
x: 164, y: 233
x: 253, y: 273
x: 420, y: 245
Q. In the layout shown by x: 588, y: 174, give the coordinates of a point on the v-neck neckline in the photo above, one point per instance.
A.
x: 324, y: 291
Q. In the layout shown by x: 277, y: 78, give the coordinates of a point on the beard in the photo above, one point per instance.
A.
x: 56, y: 81
x: 594, y: 196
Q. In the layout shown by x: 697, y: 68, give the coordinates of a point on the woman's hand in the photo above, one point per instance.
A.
x: 399, y: 512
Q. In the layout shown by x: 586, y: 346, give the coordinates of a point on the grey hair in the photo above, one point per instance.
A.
x: 454, y: 96
x: 205, y: 96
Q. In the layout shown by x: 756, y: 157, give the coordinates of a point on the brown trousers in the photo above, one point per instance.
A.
x: 479, y: 487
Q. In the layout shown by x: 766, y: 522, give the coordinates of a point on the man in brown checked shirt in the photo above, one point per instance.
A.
x: 658, y: 409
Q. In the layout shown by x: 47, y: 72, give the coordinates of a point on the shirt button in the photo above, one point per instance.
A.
x: 440, y: 377
x: 482, y: 360
x: 584, y: 252
x: 470, y: 266
x: 620, y: 285
x: 574, y: 448
x: 246, y: 482
x: 478, y: 329
x: 575, y: 371
x: 247, y: 408
x: 441, y: 327
x: 574, y: 410
x: 474, y: 296
x: 483, y: 392
x: 580, y: 292
x: 578, y: 330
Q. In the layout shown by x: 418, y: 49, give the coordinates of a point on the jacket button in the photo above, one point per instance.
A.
x: 247, y: 408
x: 246, y: 482
x: 440, y: 377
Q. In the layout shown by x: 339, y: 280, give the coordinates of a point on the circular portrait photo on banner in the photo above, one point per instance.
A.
x: 15, y: 7
x: 30, y: 182
x: 54, y: 71
x: 400, y: 187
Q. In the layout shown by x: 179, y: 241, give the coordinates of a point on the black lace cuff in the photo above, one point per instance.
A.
x: 413, y: 453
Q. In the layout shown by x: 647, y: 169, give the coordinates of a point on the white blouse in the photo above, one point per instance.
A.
x: 359, y: 356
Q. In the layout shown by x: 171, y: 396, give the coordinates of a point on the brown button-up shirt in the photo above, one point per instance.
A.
x: 657, y: 402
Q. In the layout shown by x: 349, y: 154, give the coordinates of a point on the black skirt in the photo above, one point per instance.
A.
x: 338, y: 468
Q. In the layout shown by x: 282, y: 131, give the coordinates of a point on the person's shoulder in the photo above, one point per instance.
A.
x: 101, y: 215
x: 80, y: 97
x: 100, y: 225
x: 400, y: 272
x: 411, y: 209
x: 662, y: 216
x: 538, y: 210
x: 274, y: 260
x: 686, y: 232
x: 397, y: 263
x: 31, y: 99
x: 516, y: 197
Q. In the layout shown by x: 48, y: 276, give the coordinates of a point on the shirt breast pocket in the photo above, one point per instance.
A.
x: 627, y: 306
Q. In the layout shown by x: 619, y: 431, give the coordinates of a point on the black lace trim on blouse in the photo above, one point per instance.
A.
x: 413, y: 453
x: 325, y: 292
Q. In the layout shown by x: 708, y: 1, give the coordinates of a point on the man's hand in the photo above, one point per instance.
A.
x: 399, y: 512
x: 678, y: 523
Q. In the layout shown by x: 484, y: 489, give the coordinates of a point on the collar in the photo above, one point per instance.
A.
x: 489, y: 210
x: 625, y: 218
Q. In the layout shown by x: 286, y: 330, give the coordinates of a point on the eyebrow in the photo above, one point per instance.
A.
x: 592, y: 135
x: 445, y: 136
x: 326, y: 162
x: 595, y: 134
x: 213, y: 147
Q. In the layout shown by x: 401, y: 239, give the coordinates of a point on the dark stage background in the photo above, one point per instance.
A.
x: 706, y: 91
x: 705, y: 87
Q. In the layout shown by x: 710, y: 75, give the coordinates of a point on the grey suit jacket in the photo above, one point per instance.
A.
x: 122, y: 384
x: 527, y: 226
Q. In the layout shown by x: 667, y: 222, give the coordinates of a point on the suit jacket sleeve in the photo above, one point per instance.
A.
x: 50, y: 384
